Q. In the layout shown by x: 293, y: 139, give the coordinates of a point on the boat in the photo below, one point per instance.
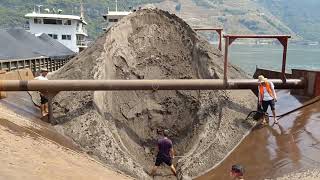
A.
x: 113, y: 17
x: 69, y: 30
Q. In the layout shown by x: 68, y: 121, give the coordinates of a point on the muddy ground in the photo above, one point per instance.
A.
x: 120, y: 128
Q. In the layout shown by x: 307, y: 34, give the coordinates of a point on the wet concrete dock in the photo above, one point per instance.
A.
x: 274, y: 151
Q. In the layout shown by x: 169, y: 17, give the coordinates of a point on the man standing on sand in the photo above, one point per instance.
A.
x: 267, y: 97
x: 44, y: 100
x: 165, y: 153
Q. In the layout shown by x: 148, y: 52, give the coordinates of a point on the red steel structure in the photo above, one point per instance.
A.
x: 229, y: 38
x: 218, y: 30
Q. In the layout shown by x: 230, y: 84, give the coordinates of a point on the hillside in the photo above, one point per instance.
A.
x: 241, y: 16
x: 303, y: 17
x: 12, y: 11
x: 298, y: 18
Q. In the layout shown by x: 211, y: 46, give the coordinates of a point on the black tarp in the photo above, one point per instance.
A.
x: 20, y: 44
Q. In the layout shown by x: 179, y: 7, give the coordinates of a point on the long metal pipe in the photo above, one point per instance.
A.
x: 110, y: 85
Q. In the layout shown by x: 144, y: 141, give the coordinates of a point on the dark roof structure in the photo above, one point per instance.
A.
x: 20, y: 44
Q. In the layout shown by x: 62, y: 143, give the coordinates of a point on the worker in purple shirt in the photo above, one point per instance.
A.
x: 165, y: 153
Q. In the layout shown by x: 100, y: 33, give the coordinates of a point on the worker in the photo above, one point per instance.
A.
x: 43, y: 99
x: 165, y: 153
x: 237, y: 172
x: 267, y: 97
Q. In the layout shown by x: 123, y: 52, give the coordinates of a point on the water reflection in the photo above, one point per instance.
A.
x: 273, y: 151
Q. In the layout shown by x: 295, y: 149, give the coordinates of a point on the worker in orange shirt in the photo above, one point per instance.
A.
x: 267, y: 97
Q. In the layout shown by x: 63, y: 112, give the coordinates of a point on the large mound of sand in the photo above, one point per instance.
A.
x: 120, y: 128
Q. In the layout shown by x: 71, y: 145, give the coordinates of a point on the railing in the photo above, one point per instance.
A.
x: 35, y: 64
x: 81, y: 43
x: 82, y: 30
x: 229, y: 38
x: 26, y: 27
x: 218, y: 30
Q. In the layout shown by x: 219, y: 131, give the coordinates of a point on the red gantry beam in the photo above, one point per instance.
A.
x: 283, y: 39
x: 218, y: 30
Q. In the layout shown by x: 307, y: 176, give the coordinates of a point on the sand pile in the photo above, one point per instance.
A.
x: 120, y: 128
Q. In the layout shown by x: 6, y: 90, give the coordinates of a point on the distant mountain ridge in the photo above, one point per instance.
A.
x: 303, y: 17
x: 299, y: 18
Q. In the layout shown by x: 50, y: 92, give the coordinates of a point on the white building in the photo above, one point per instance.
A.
x: 69, y: 30
x: 114, y: 16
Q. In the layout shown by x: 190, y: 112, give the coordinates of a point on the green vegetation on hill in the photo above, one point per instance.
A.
x: 236, y: 16
x: 12, y: 11
x: 245, y: 16
x: 303, y: 17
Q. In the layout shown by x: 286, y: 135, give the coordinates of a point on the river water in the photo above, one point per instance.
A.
x: 270, y: 57
x: 294, y: 144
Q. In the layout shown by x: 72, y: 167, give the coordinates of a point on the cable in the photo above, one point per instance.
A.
x: 314, y: 100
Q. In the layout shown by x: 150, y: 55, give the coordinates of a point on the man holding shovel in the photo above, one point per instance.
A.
x: 267, y: 97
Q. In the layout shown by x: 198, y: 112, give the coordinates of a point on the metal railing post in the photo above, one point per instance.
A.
x: 225, y: 65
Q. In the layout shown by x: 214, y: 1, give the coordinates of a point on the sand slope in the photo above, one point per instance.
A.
x: 120, y: 128
x: 25, y: 154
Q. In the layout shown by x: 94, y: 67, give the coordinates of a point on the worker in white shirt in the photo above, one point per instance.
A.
x: 44, y: 100
x: 267, y: 97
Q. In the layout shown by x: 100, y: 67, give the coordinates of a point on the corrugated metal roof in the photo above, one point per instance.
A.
x: 20, y: 44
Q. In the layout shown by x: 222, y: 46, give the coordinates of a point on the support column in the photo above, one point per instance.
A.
x: 34, y: 66
x: 39, y: 60
x: 50, y: 61
x: 50, y: 97
x: 225, y: 67
x: 30, y: 64
x: 220, y: 39
x: 284, y: 42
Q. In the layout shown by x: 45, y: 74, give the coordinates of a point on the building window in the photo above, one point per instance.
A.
x: 67, y: 22
x: 66, y: 37
x: 54, y: 36
x: 113, y: 20
x: 52, y: 21
x: 37, y: 21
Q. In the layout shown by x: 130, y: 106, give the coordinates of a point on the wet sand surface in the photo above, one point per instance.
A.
x: 31, y: 149
x: 21, y: 104
x: 273, y: 151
